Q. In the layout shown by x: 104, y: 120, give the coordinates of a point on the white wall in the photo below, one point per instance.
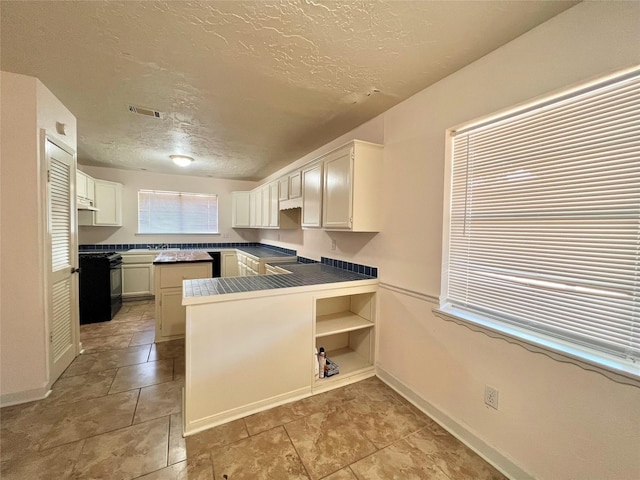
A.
x: 26, y: 107
x: 136, y: 180
x: 556, y: 421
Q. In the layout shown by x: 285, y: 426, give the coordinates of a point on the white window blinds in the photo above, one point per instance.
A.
x: 177, y: 212
x: 544, y: 227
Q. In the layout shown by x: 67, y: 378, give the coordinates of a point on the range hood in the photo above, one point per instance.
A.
x: 84, y: 204
x: 291, y: 203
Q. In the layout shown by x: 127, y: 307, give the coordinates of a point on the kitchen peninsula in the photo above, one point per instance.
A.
x: 171, y: 269
x: 250, y: 341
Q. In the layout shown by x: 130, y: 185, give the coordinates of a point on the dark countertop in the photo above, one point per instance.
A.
x: 182, y: 256
x: 302, y: 274
x: 258, y: 252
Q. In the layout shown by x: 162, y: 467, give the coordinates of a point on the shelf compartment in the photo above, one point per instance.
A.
x: 348, y: 360
x: 340, y: 322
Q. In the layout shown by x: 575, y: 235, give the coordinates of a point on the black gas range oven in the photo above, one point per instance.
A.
x: 100, y: 286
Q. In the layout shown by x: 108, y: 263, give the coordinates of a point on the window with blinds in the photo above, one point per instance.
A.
x: 544, y: 222
x: 177, y: 212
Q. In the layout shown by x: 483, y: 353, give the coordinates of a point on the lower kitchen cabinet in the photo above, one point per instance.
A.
x: 229, y: 267
x: 170, y: 314
x: 137, y: 275
x: 229, y: 375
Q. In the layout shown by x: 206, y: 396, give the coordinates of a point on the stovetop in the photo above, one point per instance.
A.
x: 108, y: 255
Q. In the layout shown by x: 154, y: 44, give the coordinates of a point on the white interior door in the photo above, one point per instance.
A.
x: 63, y: 320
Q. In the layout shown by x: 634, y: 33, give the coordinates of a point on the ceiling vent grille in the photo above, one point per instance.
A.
x: 144, y: 111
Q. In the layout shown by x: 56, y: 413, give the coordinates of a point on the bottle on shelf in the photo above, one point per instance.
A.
x: 322, y: 362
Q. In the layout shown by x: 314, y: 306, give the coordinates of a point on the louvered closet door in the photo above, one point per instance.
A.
x: 62, y: 311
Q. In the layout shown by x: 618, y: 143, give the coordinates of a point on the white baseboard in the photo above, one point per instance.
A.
x: 16, y: 398
x: 475, y: 443
x: 197, y: 425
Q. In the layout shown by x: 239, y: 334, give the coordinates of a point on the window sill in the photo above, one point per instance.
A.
x: 609, y: 366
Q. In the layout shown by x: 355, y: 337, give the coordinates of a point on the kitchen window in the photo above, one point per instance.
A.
x: 543, y: 225
x: 177, y: 212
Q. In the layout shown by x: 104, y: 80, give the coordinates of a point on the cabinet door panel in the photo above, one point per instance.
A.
x: 295, y: 185
x: 283, y: 188
x: 274, y: 207
x: 241, y: 209
x: 266, y: 205
x: 137, y: 280
x: 312, y: 196
x: 173, y: 314
x: 337, y: 194
x: 109, y: 203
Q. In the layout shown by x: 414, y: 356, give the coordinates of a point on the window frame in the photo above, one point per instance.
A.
x: 209, y: 196
x: 559, y: 349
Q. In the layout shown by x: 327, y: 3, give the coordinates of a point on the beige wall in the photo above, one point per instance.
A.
x: 135, y: 180
x: 555, y: 421
x: 26, y: 107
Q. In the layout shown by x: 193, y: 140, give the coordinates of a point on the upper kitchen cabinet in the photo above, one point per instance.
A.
x: 351, y: 198
x: 85, y: 191
x: 108, y: 201
x: 312, y: 195
x: 295, y: 185
x: 283, y: 189
x: 240, y: 215
x: 266, y: 206
x: 255, y: 208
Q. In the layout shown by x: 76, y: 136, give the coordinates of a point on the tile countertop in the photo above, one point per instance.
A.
x: 208, y: 290
x: 258, y: 252
x: 182, y: 256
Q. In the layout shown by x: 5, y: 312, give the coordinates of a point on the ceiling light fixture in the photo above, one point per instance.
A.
x: 181, y: 160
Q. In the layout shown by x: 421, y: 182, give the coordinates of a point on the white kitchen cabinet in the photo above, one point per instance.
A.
x: 283, y: 189
x: 229, y: 267
x: 249, y: 265
x: 274, y: 207
x: 240, y: 214
x: 108, y: 201
x: 255, y: 204
x: 137, y: 275
x: 85, y: 190
x: 288, y: 325
x: 312, y: 196
x: 352, y: 188
x: 170, y: 314
x: 295, y: 184
x: 81, y: 184
x: 271, y: 269
x: 266, y: 205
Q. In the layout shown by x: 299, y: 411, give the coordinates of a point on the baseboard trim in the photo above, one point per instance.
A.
x: 9, y: 399
x: 197, y: 425
x: 475, y: 443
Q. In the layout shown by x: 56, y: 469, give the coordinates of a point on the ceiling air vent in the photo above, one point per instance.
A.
x: 144, y: 111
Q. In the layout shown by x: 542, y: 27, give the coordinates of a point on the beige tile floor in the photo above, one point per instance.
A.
x: 116, y: 414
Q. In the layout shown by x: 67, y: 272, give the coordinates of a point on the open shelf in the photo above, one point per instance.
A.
x: 345, y: 328
x: 340, y: 322
x: 350, y: 363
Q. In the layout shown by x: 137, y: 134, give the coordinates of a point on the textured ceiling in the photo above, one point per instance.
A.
x: 243, y: 87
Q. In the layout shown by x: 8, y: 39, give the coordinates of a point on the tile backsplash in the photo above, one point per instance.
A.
x: 342, y: 264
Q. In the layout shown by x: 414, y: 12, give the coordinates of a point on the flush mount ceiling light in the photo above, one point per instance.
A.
x: 181, y: 160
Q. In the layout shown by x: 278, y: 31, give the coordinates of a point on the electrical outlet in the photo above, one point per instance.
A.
x: 491, y: 396
x: 333, y: 244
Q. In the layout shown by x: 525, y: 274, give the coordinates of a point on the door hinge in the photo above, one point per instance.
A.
x: 50, y: 337
x: 48, y: 176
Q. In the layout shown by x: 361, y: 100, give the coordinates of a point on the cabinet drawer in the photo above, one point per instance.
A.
x: 138, y: 258
x: 172, y: 276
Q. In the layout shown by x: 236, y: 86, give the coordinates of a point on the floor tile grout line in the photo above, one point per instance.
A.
x: 297, y: 452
